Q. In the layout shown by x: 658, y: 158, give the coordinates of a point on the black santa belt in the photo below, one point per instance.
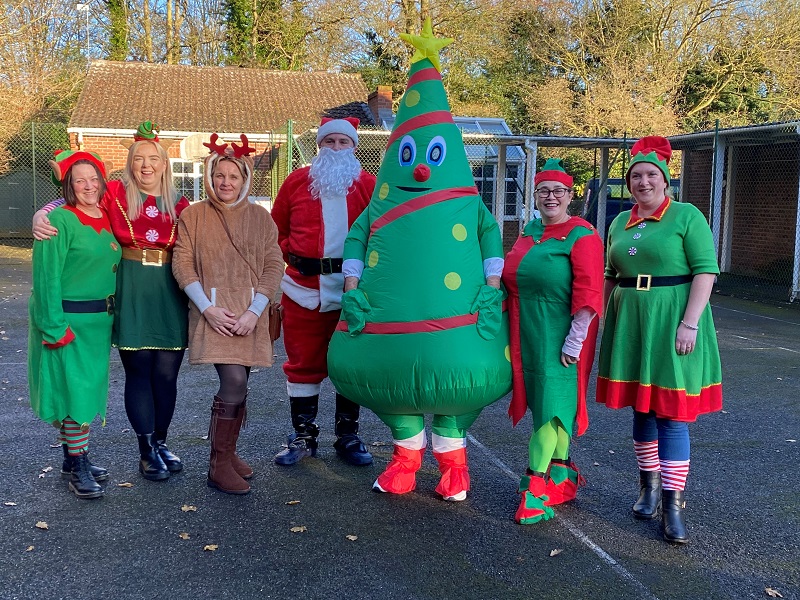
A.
x: 643, y: 283
x: 89, y: 306
x: 315, y: 266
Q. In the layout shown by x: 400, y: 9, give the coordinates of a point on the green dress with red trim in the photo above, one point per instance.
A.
x: 68, y: 353
x: 423, y: 333
x: 552, y: 272
x: 638, y: 364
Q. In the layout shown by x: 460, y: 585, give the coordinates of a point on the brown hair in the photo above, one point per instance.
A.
x: 66, y: 184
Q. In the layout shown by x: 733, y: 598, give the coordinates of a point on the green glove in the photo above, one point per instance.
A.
x: 355, y: 308
x: 489, y: 306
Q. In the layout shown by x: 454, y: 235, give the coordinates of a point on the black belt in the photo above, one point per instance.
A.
x: 89, y: 306
x: 643, y: 283
x: 315, y: 266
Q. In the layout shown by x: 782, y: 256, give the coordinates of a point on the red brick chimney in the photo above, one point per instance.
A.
x: 380, y: 99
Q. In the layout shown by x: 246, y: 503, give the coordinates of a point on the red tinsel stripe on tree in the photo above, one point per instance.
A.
x: 421, y: 202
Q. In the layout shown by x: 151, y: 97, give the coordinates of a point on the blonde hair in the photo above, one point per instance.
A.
x: 169, y: 195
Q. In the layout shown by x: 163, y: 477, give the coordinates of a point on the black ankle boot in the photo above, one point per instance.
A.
x: 672, y: 525
x: 98, y: 473
x: 348, y: 445
x: 151, y: 466
x: 303, y: 442
x: 81, y: 481
x: 649, y: 501
x: 172, y: 460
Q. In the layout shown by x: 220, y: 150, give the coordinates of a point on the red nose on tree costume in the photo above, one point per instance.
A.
x: 423, y: 332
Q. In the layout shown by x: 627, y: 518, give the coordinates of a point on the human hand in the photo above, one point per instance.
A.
x: 568, y: 360
x: 493, y: 281
x: 350, y: 283
x: 685, y: 339
x: 221, y: 320
x: 42, y: 230
x: 245, y: 324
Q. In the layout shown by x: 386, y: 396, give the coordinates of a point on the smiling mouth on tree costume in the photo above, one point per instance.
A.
x: 406, y: 188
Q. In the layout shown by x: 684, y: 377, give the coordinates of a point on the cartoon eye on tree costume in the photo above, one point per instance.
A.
x: 423, y: 332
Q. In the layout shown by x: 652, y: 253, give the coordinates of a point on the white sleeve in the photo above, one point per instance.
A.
x: 352, y: 267
x: 493, y: 266
x: 260, y: 302
x: 197, y: 295
x: 573, y: 344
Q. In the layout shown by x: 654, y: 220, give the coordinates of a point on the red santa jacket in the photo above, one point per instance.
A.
x: 313, y: 228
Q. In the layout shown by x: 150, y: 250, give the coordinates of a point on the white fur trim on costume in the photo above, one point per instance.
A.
x: 302, y: 390
x: 443, y: 444
x: 417, y: 442
x: 305, y: 297
x: 330, y: 292
x: 337, y: 126
x: 334, y: 225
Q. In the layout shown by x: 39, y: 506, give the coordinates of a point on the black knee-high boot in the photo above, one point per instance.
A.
x: 348, y: 445
x: 303, y: 442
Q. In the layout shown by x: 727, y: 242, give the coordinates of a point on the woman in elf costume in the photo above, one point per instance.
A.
x: 659, y: 351
x: 71, y: 314
x: 554, y: 278
x: 150, y: 320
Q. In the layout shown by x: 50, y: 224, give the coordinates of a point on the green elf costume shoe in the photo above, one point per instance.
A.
x: 532, y: 505
x: 562, y: 485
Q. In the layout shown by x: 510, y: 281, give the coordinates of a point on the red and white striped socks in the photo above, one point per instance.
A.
x: 673, y: 472
x: 646, y: 455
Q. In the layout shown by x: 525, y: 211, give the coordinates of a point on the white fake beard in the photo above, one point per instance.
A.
x: 333, y: 172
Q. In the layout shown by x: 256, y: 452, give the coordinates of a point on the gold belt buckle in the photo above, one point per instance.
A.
x: 151, y: 263
x: 643, y: 283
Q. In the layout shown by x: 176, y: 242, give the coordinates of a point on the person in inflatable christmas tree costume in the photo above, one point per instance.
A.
x: 554, y: 277
x: 423, y: 332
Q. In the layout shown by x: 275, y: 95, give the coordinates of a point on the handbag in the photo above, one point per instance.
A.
x: 275, y: 320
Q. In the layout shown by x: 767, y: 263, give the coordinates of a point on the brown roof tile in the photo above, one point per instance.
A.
x: 120, y: 95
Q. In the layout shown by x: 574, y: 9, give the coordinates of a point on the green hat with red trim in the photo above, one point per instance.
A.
x: 65, y: 159
x: 553, y: 170
x: 652, y: 149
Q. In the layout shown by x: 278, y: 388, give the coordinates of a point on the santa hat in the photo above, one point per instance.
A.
x: 65, y: 159
x: 652, y: 149
x: 346, y: 126
x: 553, y: 170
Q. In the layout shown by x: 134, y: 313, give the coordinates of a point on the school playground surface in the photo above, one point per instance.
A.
x: 148, y: 540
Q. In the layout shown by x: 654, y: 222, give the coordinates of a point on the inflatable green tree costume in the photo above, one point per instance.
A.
x: 424, y: 332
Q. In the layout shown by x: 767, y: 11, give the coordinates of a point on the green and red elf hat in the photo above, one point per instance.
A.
x: 65, y: 159
x: 652, y: 149
x: 553, y: 170
x: 147, y: 132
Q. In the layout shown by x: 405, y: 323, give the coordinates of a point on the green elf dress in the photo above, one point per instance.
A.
x: 68, y: 352
x: 424, y: 333
x: 638, y: 364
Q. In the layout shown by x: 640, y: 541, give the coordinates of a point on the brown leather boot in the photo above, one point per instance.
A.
x: 225, y: 424
x: 239, y: 465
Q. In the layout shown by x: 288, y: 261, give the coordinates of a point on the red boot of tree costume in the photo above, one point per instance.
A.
x: 532, y: 505
x: 400, y: 476
x: 454, y: 484
x: 562, y: 485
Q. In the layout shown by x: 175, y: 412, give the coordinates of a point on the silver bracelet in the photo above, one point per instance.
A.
x: 688, y: 326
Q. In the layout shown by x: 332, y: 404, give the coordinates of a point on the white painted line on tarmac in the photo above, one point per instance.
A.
x: 574, y: 530
x: 716, y: 307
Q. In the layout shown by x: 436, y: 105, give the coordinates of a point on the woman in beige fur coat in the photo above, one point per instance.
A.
x: 228, y: 262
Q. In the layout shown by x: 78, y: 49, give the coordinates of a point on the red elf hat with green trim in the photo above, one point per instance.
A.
x: 65, y: 159
x: 652, y: 149
x: 553, y: 170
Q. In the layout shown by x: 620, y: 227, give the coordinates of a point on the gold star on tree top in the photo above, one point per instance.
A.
x: 426, y: 45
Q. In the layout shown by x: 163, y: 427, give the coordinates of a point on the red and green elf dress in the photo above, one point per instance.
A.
x: 638, y: 364
x: 68, y: 352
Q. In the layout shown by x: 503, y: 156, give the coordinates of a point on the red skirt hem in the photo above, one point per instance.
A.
x: 666, y: 403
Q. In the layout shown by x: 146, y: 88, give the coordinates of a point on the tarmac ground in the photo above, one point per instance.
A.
x: 180, y: 539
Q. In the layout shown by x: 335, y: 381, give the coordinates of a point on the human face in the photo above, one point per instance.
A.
x: 228, y: 181
x: 552, y: 209
x: 336, y: 141
x: 86, y: 186
x: 647, y: 184
x: 147, y: 168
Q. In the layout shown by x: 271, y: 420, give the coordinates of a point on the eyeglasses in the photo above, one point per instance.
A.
x: 558, y: 193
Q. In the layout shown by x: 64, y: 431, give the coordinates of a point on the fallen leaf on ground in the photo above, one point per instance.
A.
x: 352, y: 538
x: 379, y: 444
x: 6, y: 380
x: 126, y: 430
x: 47, y: 469
x: 611, y: 452
x: 596, y: 464
x: 791, y: 441
x: 299, y: 529
x: 183, y: 535
x: 203, y: 437
x: 41, y: 475
x: 290, y: 502
x: 9, y: 503
x: 56, y: 445
x: 773, y: 593
x: 210, y: 547
x: 41, y: 525
x: 29, y: 548
x: 188, y: 508
x: 556, y: 552
x: 125, y: 484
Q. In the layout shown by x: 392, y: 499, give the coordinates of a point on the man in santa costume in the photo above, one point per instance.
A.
x: 314, y: 210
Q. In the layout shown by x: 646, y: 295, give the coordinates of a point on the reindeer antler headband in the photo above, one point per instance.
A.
x: 238, y: 151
